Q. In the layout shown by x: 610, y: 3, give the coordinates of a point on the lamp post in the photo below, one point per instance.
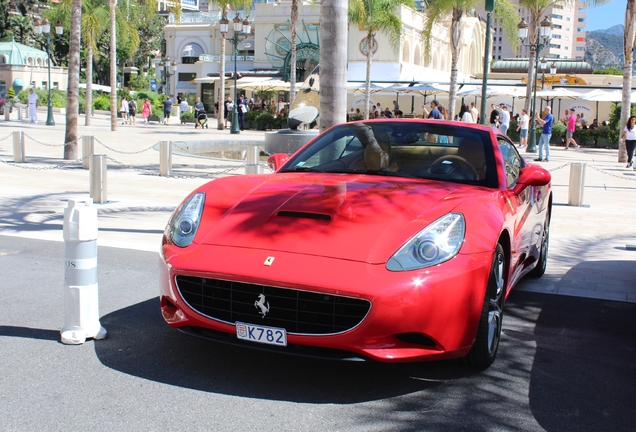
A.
x: 239, y: 27
x: 543, y: 39
x: 45, y: 27
x: 169, y: 69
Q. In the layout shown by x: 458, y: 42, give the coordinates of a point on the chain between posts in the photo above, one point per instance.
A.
x: 50, y: 145
x: 41, y: 168
x: 8, y: 136
x: 124, y: 152
x: 192, y: 176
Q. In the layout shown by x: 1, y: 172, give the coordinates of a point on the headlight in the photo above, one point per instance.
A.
x: 186, y: 219
x: 438, y: 242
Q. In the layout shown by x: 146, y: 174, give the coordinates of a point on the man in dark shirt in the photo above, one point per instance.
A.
x: 494, y: 116
x: 167, y: 106
x: 434, y: 113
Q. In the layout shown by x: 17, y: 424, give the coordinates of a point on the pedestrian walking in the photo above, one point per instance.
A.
x: 571, y: 127
x: 629, y: 136
x: 465, y: 115
x: 183, y: 105
x: 434, y: 113
x: 494, y: 116
x: 145, y: 110
x: 167, y: 108
x: 242, y: 109
x: 504, y: 118
x: 524, y: 121
x: 546, y: 133
x: 474, y: 112
x: 132, y: 111
x: 123, y: 109
x: 229, y: 106
x: 33, y: 106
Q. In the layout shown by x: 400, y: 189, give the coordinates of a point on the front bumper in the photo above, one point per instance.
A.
x: 428, y: 314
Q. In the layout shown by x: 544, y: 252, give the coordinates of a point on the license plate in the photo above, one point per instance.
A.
x: 261, y: 334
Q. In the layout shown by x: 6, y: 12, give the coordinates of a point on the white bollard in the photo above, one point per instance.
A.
x: 98, y: 181
x: 577, y: 184
x: 18, y: 147
x: 81, y: 305
x: 165, y: 158
x: 253, y: 165
x: 88, y: 148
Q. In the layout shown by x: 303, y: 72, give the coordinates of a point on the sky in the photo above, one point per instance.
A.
x: 606, y: 16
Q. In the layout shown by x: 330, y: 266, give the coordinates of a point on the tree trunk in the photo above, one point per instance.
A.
x: 533, y: 30
x: 89, y: 85
x: 628, y: 47
x: 367, y: 79
x: 72, y: 92
x: 113, y: 67
x: 221, y: 112
x: 292, y: 61
x: 333, y: 63
x: 456, y: 37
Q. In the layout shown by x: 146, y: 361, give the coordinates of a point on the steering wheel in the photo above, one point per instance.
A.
x: 460, y: 161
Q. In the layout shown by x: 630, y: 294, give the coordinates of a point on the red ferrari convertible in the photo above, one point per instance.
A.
x: 391, y: 240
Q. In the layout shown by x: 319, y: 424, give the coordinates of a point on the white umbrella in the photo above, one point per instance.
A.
x: 605, y: 96
x: 426, y: 89
x: 360, y: 87
x: 558, y: 93
x: 262, y: 85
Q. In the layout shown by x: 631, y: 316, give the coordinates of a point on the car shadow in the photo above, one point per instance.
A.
x: 141, y: 344
x: 583, y: 375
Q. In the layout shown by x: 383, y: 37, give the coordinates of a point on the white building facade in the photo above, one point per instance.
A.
x: 194, y: 43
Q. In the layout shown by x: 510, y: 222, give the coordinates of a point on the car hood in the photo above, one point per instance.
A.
x: 361, y: 217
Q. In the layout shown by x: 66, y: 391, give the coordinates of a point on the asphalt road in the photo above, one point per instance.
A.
x: 565, y: 364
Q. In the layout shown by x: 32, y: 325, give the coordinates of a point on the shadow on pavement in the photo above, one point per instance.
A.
x: 141, y: 344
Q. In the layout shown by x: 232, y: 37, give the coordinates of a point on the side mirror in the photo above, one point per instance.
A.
x: 532, y: 175
x: 276, y: 161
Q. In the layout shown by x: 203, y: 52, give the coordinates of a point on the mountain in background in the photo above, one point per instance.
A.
x: 604, y: 48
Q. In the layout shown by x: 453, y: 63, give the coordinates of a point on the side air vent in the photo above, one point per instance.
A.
x: 304, y: 215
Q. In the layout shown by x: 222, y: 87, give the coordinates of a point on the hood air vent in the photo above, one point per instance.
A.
x: 303, y: 215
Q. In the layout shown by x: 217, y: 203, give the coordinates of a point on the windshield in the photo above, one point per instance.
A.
x: 413, y: 149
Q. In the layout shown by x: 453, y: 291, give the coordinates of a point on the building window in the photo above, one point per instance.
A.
x: 556, y: 36
x: 187, y: 76
x: 580, y: 29
x: 44, y: 85
x: 555, y: 16
x: 581, y: 19
x: 3, y: 59
x: 56, y: 85
x: 558, y: 27
x: 190, y: 53
x: 555, y: 46
x: 580, y: 48
x: 567, y: 47
x: 568, y: 19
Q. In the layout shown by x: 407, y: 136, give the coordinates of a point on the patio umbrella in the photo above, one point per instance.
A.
x: 360, y: 87
x: 262, y: 84
x: 425, y: 89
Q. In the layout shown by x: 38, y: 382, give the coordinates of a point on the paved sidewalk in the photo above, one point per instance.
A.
x: 588, y: 255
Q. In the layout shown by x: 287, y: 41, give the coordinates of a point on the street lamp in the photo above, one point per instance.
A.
x: 543, y: 39
x: 169, y: 69
x: 45, y: 27
x: 239, y: 27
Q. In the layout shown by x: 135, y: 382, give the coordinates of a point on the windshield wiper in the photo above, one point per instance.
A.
x: 302, y: 169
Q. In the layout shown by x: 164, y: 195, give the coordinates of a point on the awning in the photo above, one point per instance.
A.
x: 558, y: 79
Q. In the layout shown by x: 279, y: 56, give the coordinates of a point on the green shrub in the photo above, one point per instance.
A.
x: 558, y: 132
x: 265, y: 120
x: 152, y: 96
x: 102, y: 103
x: 251, y: 116
x: 188, y: 115
x: 58, y: 97
x: 140, y: 82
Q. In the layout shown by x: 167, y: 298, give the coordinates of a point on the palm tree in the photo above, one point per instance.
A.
x: 113, y: 64
x: 628, y: 53
x: 371, y: 17
x: 24, y: 24
x: 94, y: 22
x: 333, y: 63
x: 458, y: 9
x: 72, y: 91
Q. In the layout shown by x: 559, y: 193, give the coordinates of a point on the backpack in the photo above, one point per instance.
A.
x: 132, y: 106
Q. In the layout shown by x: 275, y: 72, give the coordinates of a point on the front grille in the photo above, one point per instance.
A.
x: 299, y: 312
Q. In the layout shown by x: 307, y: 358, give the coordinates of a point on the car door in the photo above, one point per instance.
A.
x: 522, y: 203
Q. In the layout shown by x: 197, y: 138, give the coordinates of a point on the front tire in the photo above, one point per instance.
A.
x: 484, y: 351
x: 542, y: 262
